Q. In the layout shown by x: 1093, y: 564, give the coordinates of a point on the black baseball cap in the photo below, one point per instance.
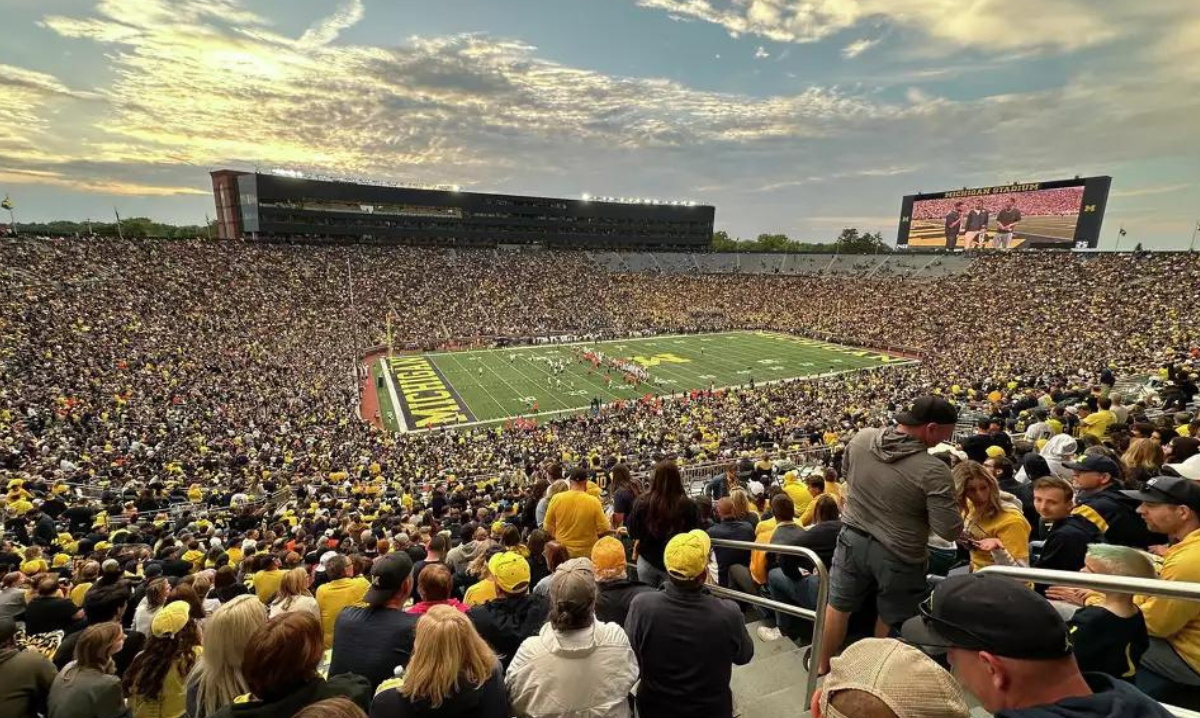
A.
x: 980, y: 612
x: 1095, y: 462
x: 388, y: 574
x: 929, y: 410
x: 1169, y: 490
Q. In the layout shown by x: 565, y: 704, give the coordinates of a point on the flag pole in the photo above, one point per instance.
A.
x: 207, y: 226
x: 1120, y: 233
x: 120, y: 234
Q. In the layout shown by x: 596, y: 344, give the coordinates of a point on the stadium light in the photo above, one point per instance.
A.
x: 587, y: 197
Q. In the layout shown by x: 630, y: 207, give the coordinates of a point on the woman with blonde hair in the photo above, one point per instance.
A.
x: 742, y: 509
x: 452, y: 672
x: 88, y: 573
x: 556, y: 487
x: 995, y: 527
x: 217, y: 679
x: 293, y: 594
x: 484, y: 589
x: 88, y: 686
x: 1143, y: 460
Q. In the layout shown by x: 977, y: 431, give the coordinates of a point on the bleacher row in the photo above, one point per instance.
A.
x: 927, y: 266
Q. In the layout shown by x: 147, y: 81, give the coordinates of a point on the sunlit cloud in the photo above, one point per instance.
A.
x: 858, y: 47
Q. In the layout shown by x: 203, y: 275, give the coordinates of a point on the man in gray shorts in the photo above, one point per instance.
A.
x: 896, y: 494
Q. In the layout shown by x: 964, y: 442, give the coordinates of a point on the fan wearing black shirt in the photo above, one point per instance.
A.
x: 1111, y: 637
x: 1067, y: 538
x: 103, y: 604
x: 50, y: 611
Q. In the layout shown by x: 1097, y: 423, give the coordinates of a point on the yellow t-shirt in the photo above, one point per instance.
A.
x: 576, y: 519
x: 1173, y: 619
x: 235, y: 555
x: 1096, y: 424
x: 171, y: 701
x: 266, y: 584
x: 832, y: 488
x: 336, y: 595
x: 79, y: 592
x: 1010, y: 527
x: 799, y: 495
x: 480, y: 593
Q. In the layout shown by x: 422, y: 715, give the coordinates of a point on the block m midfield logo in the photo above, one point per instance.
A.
x: 427, y: 401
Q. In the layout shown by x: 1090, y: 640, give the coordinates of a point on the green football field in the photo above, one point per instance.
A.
x: 470, y: 388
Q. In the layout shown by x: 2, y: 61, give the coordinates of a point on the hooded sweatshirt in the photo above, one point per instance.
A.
x: 469, y: 701
x: 898, y: 493
x: 555, y: 673
x: 25, y: 680
x: 346, y: 685
x: 1111, y: 698
x: 461, y: 556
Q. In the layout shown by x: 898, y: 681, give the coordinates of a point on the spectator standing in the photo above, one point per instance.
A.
x: 280, y: 668
x: 343, y: 589
x: 575, y: 518
x: 995, y: 528
x: 624, y: 491
x: 575, y: 665
x: 1010, y: 648
x: 661, y: 513
x: 896, y: 494
x: 217, y: 678
x: 293, y: 594
x: 685, y: 620
x: 615, y: 589
x: 373, y: 640
x: 884, y: 678
x: 435, y: 553
x: 25, y: 676
x: 453, y: 673
x: 88, y: 687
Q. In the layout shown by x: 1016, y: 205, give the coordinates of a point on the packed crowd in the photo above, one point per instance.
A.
x: 1063, y: 202
x: 176, y: 430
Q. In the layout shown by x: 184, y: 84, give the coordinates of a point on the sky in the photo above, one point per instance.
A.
x: 793, y: 116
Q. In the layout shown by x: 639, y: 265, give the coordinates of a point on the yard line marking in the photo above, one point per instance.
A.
x: 481, y: 386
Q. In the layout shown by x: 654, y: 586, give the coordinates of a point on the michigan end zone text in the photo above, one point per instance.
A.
x: 427, y: 400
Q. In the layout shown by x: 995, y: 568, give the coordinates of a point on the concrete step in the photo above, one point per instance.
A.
x: 784, y: 703
x: 766, y: 675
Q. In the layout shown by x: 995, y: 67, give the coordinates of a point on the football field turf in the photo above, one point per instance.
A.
x: 471, y: 388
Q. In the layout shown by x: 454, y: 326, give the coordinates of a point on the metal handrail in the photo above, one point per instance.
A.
x: 817, y: 615
x: 1187, y: 590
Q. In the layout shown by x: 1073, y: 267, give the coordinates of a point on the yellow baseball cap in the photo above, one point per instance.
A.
x: 60, y: 560
x: 171, y: 618
x: 995, y: 452
x: 608, y: 556
x: 510, y: 570
x: 686, y: 555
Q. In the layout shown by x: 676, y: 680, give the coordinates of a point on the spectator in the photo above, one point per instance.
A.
x: 996, y: 530
x: 343, y: 589
x: 453, y: 673
x: 25, y: 676
x: 616, y: 589
x: 280, y: 668
x: 538, y: 567
x: 793, y: 580
x: 557, y: 486
x: 226, y: 587
x: 87, y: 687
x: 1143, y: 461
x: 436, y: 587
x: 658, y: 515
x: 685, y: 620
x: 439, y: 546
x: 484, y: 589
x: 152, y: 602
x: 373, y: 640
x: 797, y: 491
x: 1065, y: 535
x: 12, y: 595
x: 267, y: 578
x: 731, y: 528
x: 574, y: 665
x: 1170, y: 669
x: 293, y: 594
x: 820, y: 484
x: 155, y: 681
x: 104, y: 604
x: 1010, y: 648
x: 515, y: 614
x: 1098, y: 499
x: 331, y: 708
x: 1111, y: 637
x: 217, y: 678
x: 624, y: 491
x: 575, y: 518
x: 51, y: 611
x: 884, y: 678
x: 896, y: 495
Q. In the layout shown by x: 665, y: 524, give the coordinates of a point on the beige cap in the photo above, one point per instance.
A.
x: 904, y: 678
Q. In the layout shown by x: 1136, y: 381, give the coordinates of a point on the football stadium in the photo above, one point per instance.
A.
x: 469, y: 388
x: 373, y: 359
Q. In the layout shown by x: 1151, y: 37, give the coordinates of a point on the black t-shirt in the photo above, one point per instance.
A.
x: 79, y: 518
x: 650, y: 545
x: 623, y: 501
x: 372, y: 642
x: 1106, y: 643
x: 52, y: 613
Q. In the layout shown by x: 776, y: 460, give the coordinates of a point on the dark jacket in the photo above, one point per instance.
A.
x: 1115, y: 514
x: 348, y: 685
x: 489, y: 700
x: 505, y: 622
x: 651, y: 544
x: 372, y: 642
x: 1111, y: 698
x: 1066, y: 544
x: 821, y: 538
x: 25, y: 680
x: 614, y: 597
x: 726, y: 557
x: 665, y: 627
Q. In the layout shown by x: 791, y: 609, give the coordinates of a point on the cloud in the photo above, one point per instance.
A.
x: 1146, y: 191
x: 858, y: 47
x: 761, y: 53
x: 103, y: 185
x: 327, y: 30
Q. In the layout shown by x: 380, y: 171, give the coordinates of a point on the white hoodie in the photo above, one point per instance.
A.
x: 573, y: 674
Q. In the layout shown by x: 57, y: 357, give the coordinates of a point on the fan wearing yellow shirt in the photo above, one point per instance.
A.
x: 797, y: 492
x: 1096, y: 423
x: 267, y: 579
x: 343, y: 590
x: 575, y: 518
x: 818, y: 485
x: 999, y: 532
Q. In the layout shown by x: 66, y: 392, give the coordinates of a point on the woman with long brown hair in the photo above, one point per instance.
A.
x: 88, y: 686
x: 996, y: 530
x: 624, y: 491
x: 452, y: 672
x: 657, y: 516
x: 155, y: 681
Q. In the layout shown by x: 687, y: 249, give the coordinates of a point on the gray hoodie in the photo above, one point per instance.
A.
x: 898, y: 493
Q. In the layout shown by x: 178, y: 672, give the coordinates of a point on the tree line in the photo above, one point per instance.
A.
x: 850, y: 241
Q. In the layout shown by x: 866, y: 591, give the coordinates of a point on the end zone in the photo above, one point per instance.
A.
x: 421, y: 396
